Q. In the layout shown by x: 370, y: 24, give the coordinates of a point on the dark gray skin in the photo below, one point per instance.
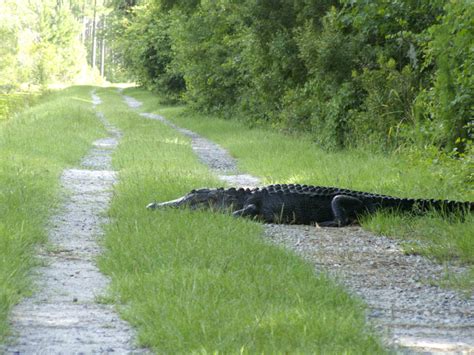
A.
x: 303, y: 204
x: 221, y: 199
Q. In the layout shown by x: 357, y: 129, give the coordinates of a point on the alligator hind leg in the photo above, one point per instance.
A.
x: 345, y: 209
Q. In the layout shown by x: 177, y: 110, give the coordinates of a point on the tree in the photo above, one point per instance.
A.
x: 346, y: 71
x: 43, y: 42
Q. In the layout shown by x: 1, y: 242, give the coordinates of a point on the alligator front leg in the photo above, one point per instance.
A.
x: 345, y: 209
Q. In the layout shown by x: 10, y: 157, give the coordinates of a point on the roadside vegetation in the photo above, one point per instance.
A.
x: 295, y: 158
x: 348, y: 73
x: 36, y: 144
x: 11, y: 103
x: 206, y: 282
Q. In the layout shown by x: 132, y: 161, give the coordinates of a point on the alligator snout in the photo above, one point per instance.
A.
x: 152, y: 206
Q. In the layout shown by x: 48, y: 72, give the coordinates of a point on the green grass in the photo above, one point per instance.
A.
x: 13, y: 102
x: 35, y: 146
x: 279, y: 158
x: 201, y: 282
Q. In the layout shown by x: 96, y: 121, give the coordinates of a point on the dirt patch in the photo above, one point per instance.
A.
x: 63, y: 316
x: 405, y: 307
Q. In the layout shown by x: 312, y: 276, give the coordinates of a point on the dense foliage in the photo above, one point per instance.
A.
x: 48, y: 42
x: 41, y: 43
x: 392, y: 73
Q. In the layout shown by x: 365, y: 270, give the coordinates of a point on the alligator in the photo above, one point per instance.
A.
x: 306, y: 204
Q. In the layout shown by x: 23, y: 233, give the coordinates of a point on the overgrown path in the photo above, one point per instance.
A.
x: 404, y: 303
x: 210, y: 153
x: 63, y: 316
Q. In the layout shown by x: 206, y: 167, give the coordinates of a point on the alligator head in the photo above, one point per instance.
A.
x: 219, y: 199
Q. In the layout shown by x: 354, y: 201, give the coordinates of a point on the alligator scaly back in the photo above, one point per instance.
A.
x: 385, y: 201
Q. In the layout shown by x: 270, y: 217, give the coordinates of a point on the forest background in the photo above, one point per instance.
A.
x: 392, y: 76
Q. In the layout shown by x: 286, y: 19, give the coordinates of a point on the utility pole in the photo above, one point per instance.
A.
x: 102, y: 52
x: 84, y: 23
x: 94, y: 35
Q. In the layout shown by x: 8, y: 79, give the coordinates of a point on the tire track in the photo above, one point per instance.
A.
x: 209, y: 153
x: 63, y: 316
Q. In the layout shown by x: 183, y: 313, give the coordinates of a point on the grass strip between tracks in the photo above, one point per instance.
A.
x: 197, y: 281
x: 280, y: 158
x: 35, y: 146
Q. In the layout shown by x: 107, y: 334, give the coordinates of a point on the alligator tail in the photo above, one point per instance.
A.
x: 425, y: 205
x: 444, y: 206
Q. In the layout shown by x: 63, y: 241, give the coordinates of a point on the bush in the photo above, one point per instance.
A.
x: 449, y: 101
x: 207, y: 52
x: 149, y: 59
x: 387, y: 108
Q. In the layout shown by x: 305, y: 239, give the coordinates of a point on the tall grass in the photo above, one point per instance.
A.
x: 35, y: 146
x: 206, y: 282
x: 12, y: 102
x: 289, y: 159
